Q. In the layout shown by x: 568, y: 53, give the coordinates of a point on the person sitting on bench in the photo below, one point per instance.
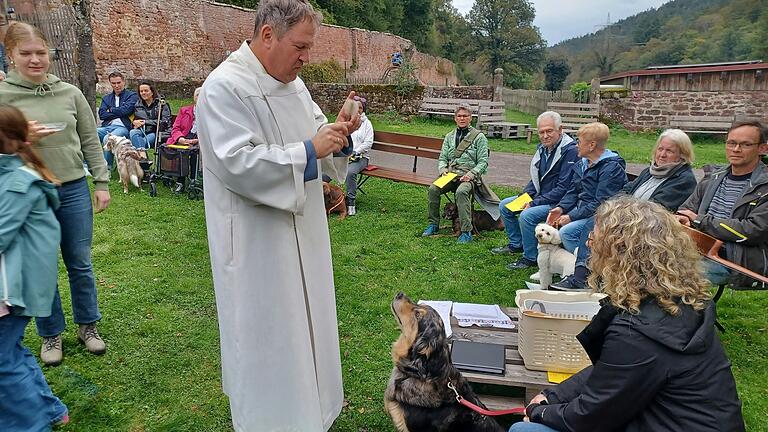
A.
x: 732, y: 205
x: 362, y: 140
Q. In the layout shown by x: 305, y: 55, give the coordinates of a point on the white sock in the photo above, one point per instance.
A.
x: 351, y: 210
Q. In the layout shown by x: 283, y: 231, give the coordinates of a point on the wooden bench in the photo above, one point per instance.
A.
x: 515, y: 373
x: 702, y: 124
x: 447, y: 107
x: 574, y: 116
x: 492, y: 119
x: 403, y: 144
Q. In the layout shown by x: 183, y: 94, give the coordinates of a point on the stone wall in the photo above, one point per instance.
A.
x: 463, y: 92
x: 645, y: 110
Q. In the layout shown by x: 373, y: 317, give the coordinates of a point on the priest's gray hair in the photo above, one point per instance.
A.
x: 555, y: 117
x: 282, y: 15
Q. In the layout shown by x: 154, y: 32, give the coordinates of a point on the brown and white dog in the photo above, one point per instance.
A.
x: 417, y: 396
x: 481, y: 219
x: 334, y: 200
x: 127, y: 159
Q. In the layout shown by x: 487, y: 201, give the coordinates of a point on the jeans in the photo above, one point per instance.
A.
x: 114, y: 130
x: 528, y: 220
x: 76, y: 218
x: 26, y: 401
x: 715, y: 273
x: 530, y: 427
x: 353, y: 169
x: 463, y: 195
x: 141, y: 140
x: 571, y: 233
x: 584, y: 250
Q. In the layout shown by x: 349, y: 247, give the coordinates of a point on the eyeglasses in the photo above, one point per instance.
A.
x: 743, y: 145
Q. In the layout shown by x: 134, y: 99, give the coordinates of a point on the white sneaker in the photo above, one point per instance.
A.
x: 351, y: 211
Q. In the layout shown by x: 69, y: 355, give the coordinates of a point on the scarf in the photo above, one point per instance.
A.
x: 664, y: 170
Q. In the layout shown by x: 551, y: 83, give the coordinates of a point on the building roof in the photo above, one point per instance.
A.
x: 686, y: 69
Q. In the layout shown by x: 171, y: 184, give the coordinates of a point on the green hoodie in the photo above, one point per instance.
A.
x: 57, y: 101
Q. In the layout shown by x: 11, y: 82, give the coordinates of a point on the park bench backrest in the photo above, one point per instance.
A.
x: 491, y: 112
x: 575, y: 115
x: 701, y: 124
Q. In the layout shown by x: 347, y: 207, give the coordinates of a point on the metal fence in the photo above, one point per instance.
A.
x: 60, y: 28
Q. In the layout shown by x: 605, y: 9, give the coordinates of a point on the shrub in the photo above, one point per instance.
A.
x: 329, y: 71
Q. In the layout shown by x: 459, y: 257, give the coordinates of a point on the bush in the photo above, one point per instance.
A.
x: 329, y: 71
x: 580, y: 91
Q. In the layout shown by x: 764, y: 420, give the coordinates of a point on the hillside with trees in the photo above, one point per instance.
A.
x: 679, y: 32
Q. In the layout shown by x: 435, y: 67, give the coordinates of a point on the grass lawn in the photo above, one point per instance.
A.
x: 162, y: 368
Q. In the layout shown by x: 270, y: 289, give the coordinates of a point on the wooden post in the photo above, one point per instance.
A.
x: 498, y: 84
x: 594, y: 93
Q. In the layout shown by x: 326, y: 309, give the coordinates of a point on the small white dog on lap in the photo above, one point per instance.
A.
x: 552, y: 257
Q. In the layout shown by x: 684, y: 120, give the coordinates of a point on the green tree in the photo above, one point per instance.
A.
x: 555, y: 72
x: 505, y: 37
x: 452, y: 32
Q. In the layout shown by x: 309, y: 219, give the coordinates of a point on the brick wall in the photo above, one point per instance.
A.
x: 642, y: 110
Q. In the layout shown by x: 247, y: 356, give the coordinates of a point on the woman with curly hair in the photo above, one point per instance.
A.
x: 657, y: 363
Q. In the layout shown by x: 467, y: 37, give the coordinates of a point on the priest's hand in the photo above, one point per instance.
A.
x: 352, y: 121
x: 330, y: 139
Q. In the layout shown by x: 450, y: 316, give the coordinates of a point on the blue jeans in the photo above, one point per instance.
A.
x: 571, y: 233
x: 114, y: 130
x: 715, y: 273
x: 26, y: 401
x: 142, y: 140
x: 584, y: 251
x: 76, y: 218
x: 530, y: 427
x: 528, y: 219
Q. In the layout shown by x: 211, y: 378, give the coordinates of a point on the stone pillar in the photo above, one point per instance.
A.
x: 594, y: 93
x: 498, y: 85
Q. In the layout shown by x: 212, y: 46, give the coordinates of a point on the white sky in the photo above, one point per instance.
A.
x: 559, y: 20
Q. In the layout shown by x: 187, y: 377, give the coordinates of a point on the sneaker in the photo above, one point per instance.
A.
x: 64, y: 420
x: 569, y: 283
x: 431, y: 230
x: 179, y: 188
x: 522, y: 263
x: 464, y: 238
x: 506, y: 250
x: 351, y: 211
x: 51, y: 352
x: 90, y: 337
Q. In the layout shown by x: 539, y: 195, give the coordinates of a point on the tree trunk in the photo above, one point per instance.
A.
x: 86, y: 63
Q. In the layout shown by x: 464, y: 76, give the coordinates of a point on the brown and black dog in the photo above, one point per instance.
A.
x: 481, y: 220
x: 334, y: 200
x: 417, y: 396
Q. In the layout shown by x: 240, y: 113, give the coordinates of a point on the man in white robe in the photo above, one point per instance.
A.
x: 265, y: 144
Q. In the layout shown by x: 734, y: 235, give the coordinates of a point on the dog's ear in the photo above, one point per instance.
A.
x: 428, y: 356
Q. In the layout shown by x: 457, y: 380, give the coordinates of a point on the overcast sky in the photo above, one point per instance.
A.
x: 559, y: 20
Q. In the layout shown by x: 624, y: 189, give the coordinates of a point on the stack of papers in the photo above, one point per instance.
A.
x: 469, y: 314
x: 443, y: 308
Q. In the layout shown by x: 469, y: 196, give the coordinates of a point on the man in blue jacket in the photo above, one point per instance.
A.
x: 115, y: 111
x: 551, y: 172
x: 599, y: 175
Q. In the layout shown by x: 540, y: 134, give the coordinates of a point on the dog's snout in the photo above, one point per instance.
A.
x: 399, y: 295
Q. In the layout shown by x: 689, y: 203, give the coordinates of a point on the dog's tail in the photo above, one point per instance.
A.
x: 135, y: 180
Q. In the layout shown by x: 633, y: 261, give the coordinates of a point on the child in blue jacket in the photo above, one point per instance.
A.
x: 29, y: 245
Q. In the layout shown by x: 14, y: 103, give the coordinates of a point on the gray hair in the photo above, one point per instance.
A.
x: 282, y: 15
x: 555, y: 117
x: 197, y: 91
x: 463, y: 106
x: 681, y: 140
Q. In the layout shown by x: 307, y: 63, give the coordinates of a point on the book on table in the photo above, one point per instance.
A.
x: 478, y: 357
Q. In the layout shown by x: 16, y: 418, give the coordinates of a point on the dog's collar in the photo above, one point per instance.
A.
x: 341, y: 200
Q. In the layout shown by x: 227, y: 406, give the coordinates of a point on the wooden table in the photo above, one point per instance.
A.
x: 515, y: 374
x: 506, y: 130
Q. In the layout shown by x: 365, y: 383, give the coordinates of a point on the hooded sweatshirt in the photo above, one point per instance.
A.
x: 593, y: 184
x: 56, y: 101
x: 651, y: 372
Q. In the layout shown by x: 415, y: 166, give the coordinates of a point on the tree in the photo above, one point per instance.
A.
x: 417, y: 22
x: 505, y: 36
x: 556, y: 71
x: 86, y: 63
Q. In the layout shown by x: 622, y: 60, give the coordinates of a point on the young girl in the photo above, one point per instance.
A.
x: 29, y: 244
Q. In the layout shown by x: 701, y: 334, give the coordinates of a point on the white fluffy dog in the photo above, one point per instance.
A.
x: 552, y: 258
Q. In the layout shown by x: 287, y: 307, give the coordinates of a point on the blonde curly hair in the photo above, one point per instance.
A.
x: 640, y: 250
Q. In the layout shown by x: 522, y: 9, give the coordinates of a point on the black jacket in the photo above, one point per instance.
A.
x: 651, y: 372
x: 149, y: 115
x: 673, y: 192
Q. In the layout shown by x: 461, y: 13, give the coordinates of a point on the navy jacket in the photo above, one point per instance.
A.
x: 594, y: 184
x: 108, y: 111
x: 550, y: 188
x: 673, y: 192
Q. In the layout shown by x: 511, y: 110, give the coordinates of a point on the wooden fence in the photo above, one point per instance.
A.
x: 534, y: 101
x: 59, y: 27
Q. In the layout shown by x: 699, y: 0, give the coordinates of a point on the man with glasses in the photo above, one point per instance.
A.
x: 551, y: 172
x: 464, y: 153
x: 732, y: 205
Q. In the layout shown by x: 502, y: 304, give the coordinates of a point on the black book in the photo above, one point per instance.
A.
x: 478, y: 357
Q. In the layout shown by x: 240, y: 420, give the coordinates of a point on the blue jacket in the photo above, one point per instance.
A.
x: 594, y: 184
x: 550, y: 188
x: 108, y: 111
x: 29, y: 239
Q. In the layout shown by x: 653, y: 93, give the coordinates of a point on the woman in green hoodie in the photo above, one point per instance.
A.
x: 63, y: 131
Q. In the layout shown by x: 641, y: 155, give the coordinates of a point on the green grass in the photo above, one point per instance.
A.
x: 162, y: 368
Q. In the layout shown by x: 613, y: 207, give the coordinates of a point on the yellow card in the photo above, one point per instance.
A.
x: 557, y: 377
x: 519, y: 203
x: 443, y: 180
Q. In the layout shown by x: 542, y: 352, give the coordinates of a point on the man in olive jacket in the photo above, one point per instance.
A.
x: 732, y: 206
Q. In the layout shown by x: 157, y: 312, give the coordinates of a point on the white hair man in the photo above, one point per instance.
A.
x: 266, y: 144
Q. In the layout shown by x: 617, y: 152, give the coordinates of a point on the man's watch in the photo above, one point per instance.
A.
x: 696, y: 223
